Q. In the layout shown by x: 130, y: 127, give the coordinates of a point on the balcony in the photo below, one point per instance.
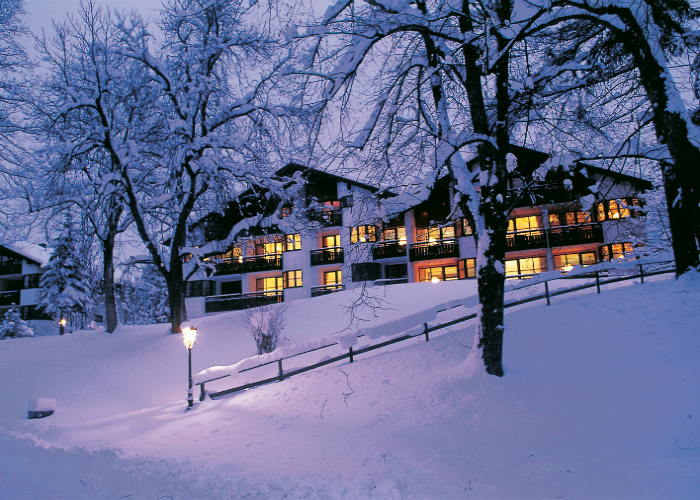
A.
x: 231, y: 266
x: 389, y: 249
x: 317, y: 291
x: 11, y: 267
x: 391, y: 281
x: 331, y: 255
x: 9, y: 298
x: 439, y: 249
x: 326, y: 218
x: 262, y: 263
x: 238, y: 302
x: 558, y: 236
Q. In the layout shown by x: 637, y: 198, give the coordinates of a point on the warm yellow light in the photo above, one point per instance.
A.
x: 402, y: 241
x: 63, y: 322
x: 434, y: 280
x: 240, y: 259
x: 189, y: 336
x: 362, y: 239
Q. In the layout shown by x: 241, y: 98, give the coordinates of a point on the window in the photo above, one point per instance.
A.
x: 292, y: 242
x: 233, y: 253
x: 432, y: 234
x: 292, y: 279
x: 200, y: 288
x: 615, y: 251
x: 331, y: 205
x: 231, y: 287
x: 346, y: 201
x: 466, y: 268
x: 332, y: 278
x: 271, y: 284
x: 462, y: 227
x: 569, y: 219
x: 396, y: 271
x: 330, y: 241
x: 363, y: 234
x: 269, y: 248
x: 394, y: 234
x: 531, y: 223
x: 31, y: 281
x: 568, y: 261
x: 99, y: 318
x: 532, y: 265
x: 618, y: 209
x: 435, y: 274
x: 366, y: 271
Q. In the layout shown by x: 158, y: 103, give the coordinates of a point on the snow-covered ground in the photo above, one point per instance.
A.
x: 601, y: 399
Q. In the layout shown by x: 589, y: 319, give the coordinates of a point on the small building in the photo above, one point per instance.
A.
x: 20, y: 272
x: 340, y: 240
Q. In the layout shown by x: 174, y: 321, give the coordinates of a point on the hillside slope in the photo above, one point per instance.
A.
x: 601, y: 399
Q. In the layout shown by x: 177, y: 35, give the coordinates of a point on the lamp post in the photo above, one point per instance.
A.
x: 189, y: 338
x: 62, y: 324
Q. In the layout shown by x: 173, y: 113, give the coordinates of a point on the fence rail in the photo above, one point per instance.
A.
x: 547, y: 295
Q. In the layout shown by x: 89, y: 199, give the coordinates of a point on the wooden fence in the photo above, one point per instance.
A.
x: 601, y: 278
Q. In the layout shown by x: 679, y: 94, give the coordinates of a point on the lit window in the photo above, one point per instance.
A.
x: 435, y: 234
x: 462, y: 227
x: 466, y: 268
x: 434, y: 274
x: 531, y: 223
x: 615, y: 251
x: 363, y: 234
x: 271, y: 284
x: 292, y: 242
x: 269, y: 248
x: 330, y: 241
x: 292, y: 279
x: 394, y: 234
x: 332, y: 278
x: 531, y: 265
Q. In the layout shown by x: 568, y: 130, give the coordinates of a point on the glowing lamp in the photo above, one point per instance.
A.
x: 189, y: 336
x: 434, y: 280
x: 63, y: 322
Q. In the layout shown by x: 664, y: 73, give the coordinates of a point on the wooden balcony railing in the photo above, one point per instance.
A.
x: 317, y: 291
x: 389, y: 249
x: 232, y: 266
x: 558, y: 236
x: 238, y: 301
x: 331, y: 255
x: 9, y: 298
x: 439, y: 249
x: 11, y: 267
x: 262, y: 263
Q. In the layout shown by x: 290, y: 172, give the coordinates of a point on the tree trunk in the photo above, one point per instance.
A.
x: 108, y: 277
x: 682, y: 177
x: 176, y: 289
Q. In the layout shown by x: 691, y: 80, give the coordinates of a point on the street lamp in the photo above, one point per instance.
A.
x: 62, y: 324
x: 189, y: 338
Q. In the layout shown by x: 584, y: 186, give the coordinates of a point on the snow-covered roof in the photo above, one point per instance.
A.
x: 31, y: 251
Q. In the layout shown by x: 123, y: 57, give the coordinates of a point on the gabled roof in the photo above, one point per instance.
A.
x: 31, y: 252
x: 638, y: 182
x: 290, y: 169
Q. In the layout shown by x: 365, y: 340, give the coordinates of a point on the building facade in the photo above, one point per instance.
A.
x: 346, y: 243
x: 20, y: 273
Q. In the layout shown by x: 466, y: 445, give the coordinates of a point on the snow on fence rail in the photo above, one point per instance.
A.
x: 400, y: 330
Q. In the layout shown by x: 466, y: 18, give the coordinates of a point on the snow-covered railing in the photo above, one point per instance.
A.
x: 604, y: 273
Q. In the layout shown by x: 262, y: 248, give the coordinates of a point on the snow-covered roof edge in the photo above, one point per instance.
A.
x: 32, y: 252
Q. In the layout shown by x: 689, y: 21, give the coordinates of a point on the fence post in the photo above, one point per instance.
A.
x: 427, y: 337
x: 351, y: 354
x: 597, y: 281
x: 641, y: 273
x: 279, y: 364
x: 546, y: 292
x: 202, y: 392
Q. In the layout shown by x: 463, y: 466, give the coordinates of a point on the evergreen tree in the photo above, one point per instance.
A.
x: 13, y: 326
x: 65, y: 286
x: 143, y: 297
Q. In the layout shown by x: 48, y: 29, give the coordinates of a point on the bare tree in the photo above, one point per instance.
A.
x: 265, y: 324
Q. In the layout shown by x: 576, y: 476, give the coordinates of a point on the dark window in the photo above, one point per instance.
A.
x: 200, y: 288
x: 31, y: 281
x: 231, y: 287
x: 466, y: 268
x: 366, y: 271
x: 292, y: 279
x: 99, y: 318
x: 396, y: 271
x: 346, y: 201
